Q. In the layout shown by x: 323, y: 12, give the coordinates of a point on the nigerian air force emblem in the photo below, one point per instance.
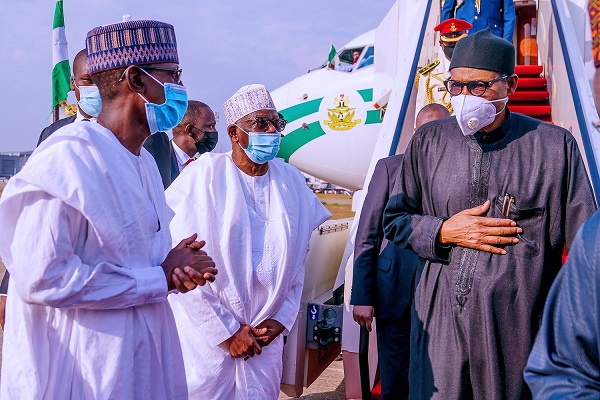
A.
x: 341, y: 117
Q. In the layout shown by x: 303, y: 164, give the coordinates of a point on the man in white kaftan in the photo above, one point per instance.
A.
x: 85, y: 239
x: 256, y: 215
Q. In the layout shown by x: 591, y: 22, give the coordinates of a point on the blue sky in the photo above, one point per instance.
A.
x: 222, y: 45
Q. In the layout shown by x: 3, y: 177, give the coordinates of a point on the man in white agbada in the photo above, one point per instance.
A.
x: 85, y: 238
x: 256, y: 214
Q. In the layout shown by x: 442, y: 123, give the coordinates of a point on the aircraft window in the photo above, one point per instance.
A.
x: 348, y: 58
x: 368, y: 58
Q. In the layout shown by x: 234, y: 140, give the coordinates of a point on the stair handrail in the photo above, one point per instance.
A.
x: 585, y: 110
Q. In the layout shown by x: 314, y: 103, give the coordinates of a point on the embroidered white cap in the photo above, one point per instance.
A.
x: 246, y: 100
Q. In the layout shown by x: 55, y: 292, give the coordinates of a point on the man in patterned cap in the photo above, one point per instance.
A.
x: 257, y: 215
x: 430, y: 78
x: 87, y: 311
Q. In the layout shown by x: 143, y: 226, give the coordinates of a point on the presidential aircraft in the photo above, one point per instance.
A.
x: 346, y: 115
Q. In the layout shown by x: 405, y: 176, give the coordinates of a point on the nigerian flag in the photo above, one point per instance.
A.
x: 333, y: 58
x: 61, y: 73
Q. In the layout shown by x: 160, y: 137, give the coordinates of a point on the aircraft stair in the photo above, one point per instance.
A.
x: 532, y: 97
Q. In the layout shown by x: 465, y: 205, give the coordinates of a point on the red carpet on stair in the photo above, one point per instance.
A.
x: 533, y: 110
x: 538, y: 83
x: 523, y: 95
x: 532, y: 97
x: 529, y: 70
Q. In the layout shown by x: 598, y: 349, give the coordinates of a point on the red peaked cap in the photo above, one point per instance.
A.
x: 453, y: 29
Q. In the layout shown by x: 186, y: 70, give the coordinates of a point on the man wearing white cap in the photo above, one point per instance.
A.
x: 257, y: 215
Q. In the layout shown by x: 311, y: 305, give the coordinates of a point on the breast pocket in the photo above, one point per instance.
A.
x: 384, y: 264
x: 531, y: 221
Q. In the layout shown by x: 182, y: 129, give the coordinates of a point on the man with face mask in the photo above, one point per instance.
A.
x: 257, y: 214
x: 86, y: 93
x: 88, y: 107
x: 489, y: 199
x: 430, y: 78
x: 195, y: 135
x: 87, y: 311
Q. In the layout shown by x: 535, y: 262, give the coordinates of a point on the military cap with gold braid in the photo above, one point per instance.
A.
x: 453, y: 29
x: 130, y: 43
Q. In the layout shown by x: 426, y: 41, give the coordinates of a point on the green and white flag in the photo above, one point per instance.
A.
x: 333, y: 58
x: 61, y: 73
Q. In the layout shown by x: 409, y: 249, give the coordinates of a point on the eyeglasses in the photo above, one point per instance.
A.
x: 175, y: 73
x: 476, y: 88
x: 262, y: 123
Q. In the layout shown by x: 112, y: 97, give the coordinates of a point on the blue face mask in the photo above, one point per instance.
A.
x: 262, y: 146
x: 162, y: 117
x: 89, y: 100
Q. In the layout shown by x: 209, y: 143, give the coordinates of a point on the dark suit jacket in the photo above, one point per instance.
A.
x: 161, y: 149
x: 50, y: 129
x: 382, y: 278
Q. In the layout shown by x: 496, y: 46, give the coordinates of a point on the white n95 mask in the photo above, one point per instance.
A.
x: 474, y: 113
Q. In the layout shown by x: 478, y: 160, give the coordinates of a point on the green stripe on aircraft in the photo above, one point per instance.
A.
x: 366, y: 94
x: 301, y: 110
x: 298, y: 138
x: 373, y: 117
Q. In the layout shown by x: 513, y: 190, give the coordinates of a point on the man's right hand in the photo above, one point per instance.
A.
x: 243, y: 343
x: 186, y: 266
x: 363, y: 315
x: 469, y: 229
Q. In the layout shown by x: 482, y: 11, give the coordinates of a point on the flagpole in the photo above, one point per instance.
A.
x: 61, y: 71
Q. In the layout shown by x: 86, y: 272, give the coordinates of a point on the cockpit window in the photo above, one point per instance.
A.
x: 368, y: 58
x: 348, y: 59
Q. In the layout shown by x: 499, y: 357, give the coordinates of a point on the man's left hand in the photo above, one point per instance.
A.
x: 274, y: 329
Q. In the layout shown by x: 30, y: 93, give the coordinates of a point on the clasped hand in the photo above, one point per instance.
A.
x: 249, y: 341
x: 186, y: 266
x: 469, y: 229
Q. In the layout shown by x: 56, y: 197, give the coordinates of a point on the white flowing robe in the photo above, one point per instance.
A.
x: 83, y: 239
x: 252, y: 285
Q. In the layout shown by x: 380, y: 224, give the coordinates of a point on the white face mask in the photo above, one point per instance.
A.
x: 474, y: 113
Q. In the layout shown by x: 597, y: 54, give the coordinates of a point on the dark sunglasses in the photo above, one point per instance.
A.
x: 476, y: 88
x: 262, y: 123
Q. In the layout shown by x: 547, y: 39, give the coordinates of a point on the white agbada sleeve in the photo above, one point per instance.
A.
x: 206, y: 310
x: 288, y: 312
x: 46, y: 270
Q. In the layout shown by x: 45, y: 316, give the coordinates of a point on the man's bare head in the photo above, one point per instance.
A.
x: 80, y: 64
x: 198, y: 119
x: 431, y: 112
x: 81, y: 73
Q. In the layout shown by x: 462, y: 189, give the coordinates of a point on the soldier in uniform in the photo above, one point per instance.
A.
x: 430, y: 78
x: 498, y: 15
